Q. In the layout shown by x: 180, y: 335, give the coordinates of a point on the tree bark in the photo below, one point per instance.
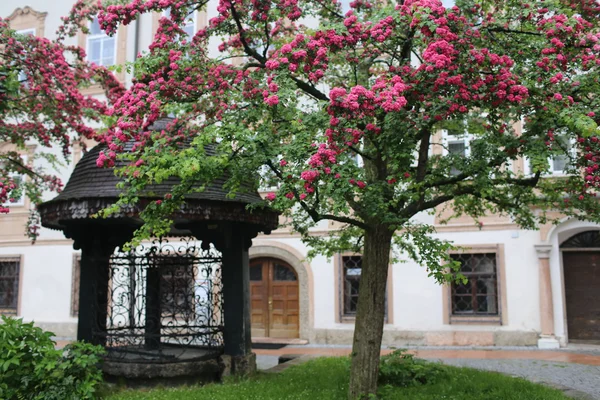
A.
x: 370, y: 314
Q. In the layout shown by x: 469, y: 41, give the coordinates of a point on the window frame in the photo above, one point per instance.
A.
x: 339, y: 276
x: 474, y: 277
x: 90, y: 36
x: 572, y: 153
x: 19, y: 284
x: 23, y: 177
x: 527, y: 166
x: 448, y: 139
x: 482, y: 319
x: 194, y: 23
x: 27, y: 31
x: 344, y: 292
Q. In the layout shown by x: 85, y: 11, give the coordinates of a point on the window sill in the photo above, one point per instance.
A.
x: 472, y: 320
x: 352, y: 319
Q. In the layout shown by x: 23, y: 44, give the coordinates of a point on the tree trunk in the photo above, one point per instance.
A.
x: 370, y: 314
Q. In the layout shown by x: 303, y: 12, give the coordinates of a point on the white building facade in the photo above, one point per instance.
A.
x: 525, y: 288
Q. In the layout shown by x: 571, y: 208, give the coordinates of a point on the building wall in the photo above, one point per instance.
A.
x: 418, y: 309
x: 45, y: 287
x: 418, y: 306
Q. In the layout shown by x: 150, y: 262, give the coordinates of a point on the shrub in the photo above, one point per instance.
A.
x: 32, y: 369
x: 402, y: 369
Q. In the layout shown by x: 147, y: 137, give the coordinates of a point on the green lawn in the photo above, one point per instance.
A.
x: 327, y: 378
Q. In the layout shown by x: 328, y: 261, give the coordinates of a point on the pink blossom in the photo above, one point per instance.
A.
x: 309, y: 175
x: 272, y: 100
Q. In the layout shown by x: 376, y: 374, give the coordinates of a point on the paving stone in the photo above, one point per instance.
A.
x: 577, y: 377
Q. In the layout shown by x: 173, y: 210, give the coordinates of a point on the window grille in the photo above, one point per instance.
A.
x: 479, y: 294
x: 10, y: 269
x: 352, y: 269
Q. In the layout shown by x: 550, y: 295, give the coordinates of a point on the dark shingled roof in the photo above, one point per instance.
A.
x: 88, y: 181
x: 90, y: 189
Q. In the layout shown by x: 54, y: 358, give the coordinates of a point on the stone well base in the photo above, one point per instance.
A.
x: 238, y: 365
x: 212, y: 368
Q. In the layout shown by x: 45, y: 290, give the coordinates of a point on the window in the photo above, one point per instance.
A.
x: 479, y: 295
x: 101, y: 48
x: 456, y: 145
x: 348, y: 274
x: 18, y: 179
x: 189, y: 24
x: 10, y: 269
x: 75, y: 285
x: 559, y: 163
x: 22, y: 75
x: 351, y: 271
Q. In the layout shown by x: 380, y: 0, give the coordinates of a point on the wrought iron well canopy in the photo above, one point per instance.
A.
x: 178, y: 306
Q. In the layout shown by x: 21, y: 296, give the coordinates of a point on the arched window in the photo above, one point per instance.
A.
x: 585, y: 239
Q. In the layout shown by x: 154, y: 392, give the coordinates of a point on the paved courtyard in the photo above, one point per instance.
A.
x: 574, y: 368
x: 583, y: 378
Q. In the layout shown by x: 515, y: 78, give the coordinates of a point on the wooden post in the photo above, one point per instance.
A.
x: 93, y: 291
x: 236, y: 292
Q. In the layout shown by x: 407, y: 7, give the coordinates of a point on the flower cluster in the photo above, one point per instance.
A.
x: 401, y: 74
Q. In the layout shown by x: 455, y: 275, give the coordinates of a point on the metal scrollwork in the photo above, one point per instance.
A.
x: 164, y: 302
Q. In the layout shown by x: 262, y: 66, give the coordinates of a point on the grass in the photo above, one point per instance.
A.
x: 327, y: 378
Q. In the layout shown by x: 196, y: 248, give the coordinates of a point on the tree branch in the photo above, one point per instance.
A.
x: 314, y: 214
x: 310, y: 89
x: 250, y: 51
x: 360, y: 153
x: 506, y: 30
x: 419, y: 206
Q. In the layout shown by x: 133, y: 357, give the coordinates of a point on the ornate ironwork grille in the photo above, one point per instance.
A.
x: 479, y: 295
x: 587, y: 239
x: 164, y: 302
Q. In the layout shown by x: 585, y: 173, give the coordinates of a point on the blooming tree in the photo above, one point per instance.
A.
x: 340, y: 112
x: 42, y: 104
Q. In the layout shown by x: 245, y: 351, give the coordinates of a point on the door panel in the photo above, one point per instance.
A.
x: 276, y: 295
x: 258, y: 299
x: 582, y: 285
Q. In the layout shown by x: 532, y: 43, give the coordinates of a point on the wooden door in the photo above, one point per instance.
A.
x: 582, y: 285
x: 274, y: 297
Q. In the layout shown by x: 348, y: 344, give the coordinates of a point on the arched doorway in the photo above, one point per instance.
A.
x: 274, y: 298
x: 581, y: 265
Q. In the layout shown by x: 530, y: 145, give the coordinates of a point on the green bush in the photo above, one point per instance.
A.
x: 32, y: 369
x: 402, y: 369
